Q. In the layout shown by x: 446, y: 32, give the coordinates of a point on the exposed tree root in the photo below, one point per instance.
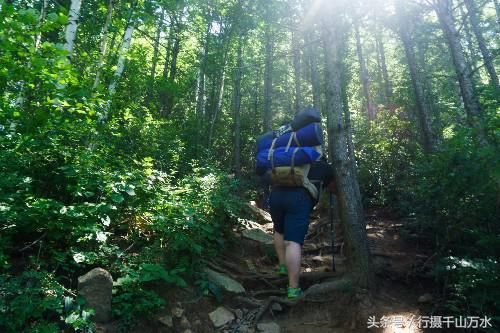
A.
x: 314, y: 294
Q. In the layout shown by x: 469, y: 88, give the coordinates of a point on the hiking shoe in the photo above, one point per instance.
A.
x: 282, y: 270
x: 294, y: 292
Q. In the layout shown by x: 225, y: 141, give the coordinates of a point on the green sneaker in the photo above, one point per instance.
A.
x: 294, y: 292
x: 282, y: 270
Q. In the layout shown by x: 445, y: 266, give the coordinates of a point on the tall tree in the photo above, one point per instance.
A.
x: 363, y: 74
x: 156, y: 50
x: 72, y: 26
x: 423, y: 110
x: 387, y: 86
x: 237, y: 106
x: 471, y: 102
x: 43, y: 13
x: 351, y: 209
x: 104, y: 43
x: 312, y: 55
x: 487, y: 58
x: 120, y: 66
x: 297, y: 69
x: 268, y: 71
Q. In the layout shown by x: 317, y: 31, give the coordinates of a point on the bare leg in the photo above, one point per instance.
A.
x: 293, y: 259
x: 279, y: 246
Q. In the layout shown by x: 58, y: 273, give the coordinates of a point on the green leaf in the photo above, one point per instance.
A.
x: 116, y: 197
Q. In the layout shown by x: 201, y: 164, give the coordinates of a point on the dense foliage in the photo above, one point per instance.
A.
x: 130, y: 153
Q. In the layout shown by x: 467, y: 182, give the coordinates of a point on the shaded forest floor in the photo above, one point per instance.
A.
x: 402, y: 273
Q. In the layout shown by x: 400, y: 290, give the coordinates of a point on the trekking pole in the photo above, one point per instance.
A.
x: 332, y: 228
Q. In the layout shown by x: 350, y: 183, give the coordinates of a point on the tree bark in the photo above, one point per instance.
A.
x: 383, y: 67
x: 471, y: 103
x: 349, y: 198
x: 237, y: 106
x: 43, y: 13
x: 200, y: 92
x: 497, y: 10
x: 313, y: 63
x: 487, y: 58
x: 104, y: 43
x: 155, y: 55
x: 268, y: 77
x: 72, y: 26
x: 120, y: 66
x: 163, y: 95
x: 418, y: 88
x: 363, y: 74
x: 296, y: 69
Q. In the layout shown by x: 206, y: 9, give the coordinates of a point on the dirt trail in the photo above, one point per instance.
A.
x: 398, y: 264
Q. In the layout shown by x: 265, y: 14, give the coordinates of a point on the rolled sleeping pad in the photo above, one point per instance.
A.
x: 304, y: 118
x: 282, y: 157
x: 264, y: 141
x: 310, y: 135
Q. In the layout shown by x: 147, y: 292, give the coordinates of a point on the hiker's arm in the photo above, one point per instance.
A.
x: 260, y: 171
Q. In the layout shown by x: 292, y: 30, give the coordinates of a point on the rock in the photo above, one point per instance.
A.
x: 276, y: 307
x: 224, y: 281
x: 258, y: 236
x: 425, y: 298
x: 221, y: 316
x: 270, y: 327
x: 246, y: 329
x: 238, y: 313
x: 167, y: 321
x: 185, y: 323
x: 262, y: 215
x: 96, y: 288
x: 187, y: 331
x: 177, y: 312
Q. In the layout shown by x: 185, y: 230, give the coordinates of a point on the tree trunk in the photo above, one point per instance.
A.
x: 363, y: 73
x: 349, y: 199
x: 237, y: 106
x: 497, y: 11
x: 383, y: 67
x: 487, y: 58
x: 38, y: 39
x: 120, y: 66
x: 169, y: 98
x: 218, y: 102
x: 71, y: 27
x: 471, y: 103
x: 155, y: 55
x: 471, y: 58
x: 200, y: 92
x: 296, y: 69
x: 104, y: 43
x: 217, y: 105
x: 268, y: 77
x: 43, y: 13
x: 163, y: 95
x: 418, y: 88
x: 313, y: 63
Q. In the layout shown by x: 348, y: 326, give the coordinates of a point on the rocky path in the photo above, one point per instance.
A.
x: 251, y: 296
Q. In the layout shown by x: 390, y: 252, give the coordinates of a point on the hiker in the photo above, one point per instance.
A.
x: 292, y: 156
x: 290, y: 210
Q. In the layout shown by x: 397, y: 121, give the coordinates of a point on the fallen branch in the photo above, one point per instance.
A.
x: 33, y: 243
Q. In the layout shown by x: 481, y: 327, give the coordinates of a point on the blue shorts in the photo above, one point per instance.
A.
x: 290, y: 209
